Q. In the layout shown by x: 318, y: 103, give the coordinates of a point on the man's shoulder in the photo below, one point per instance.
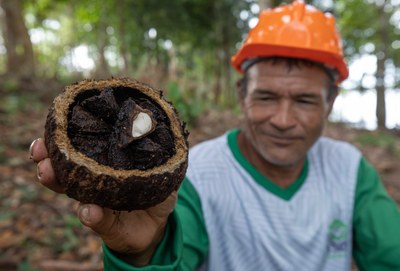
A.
x: 212, y: 156
x: 339, y: 151
x: 209, y: 147
x: 328, y: 143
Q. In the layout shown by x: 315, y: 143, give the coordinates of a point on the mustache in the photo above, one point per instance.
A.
x: 282, y: 135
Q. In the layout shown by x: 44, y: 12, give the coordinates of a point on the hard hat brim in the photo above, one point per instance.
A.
x: 262, y: 50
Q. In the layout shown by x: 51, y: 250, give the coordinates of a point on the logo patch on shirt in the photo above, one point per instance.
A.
x: 338, y: 238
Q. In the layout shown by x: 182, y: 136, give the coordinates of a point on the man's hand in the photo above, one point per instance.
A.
x: 133, y: 235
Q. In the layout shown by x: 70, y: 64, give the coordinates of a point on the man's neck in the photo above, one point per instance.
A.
x: 282, y: 176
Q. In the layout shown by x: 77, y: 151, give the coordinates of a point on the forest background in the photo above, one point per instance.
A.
x: 183, y: 47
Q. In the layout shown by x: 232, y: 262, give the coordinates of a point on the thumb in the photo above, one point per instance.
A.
x: 92, y: 215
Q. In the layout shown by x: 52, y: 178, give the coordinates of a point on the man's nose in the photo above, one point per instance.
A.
x: 283, y: 118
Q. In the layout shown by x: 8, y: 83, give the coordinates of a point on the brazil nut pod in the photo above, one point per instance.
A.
x: 116, y: 143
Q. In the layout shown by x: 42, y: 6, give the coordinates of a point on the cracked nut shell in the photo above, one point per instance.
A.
x: 88, y: 134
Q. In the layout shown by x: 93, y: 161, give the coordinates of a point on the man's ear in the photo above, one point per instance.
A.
x: 331, y: 100
x: 239, y: 84
x: 240, y: 91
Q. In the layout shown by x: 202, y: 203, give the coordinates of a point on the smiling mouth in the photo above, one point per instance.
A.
x: 281, y: 140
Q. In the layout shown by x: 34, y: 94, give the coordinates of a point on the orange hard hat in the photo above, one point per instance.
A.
x: 296, y: 30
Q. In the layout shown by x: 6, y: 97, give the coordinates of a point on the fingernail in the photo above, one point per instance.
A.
x: 39, y: 171
x: 31, y: 147
x: 84, y: 214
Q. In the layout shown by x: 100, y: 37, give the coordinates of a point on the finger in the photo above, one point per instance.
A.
x: 95, y: 217
x: 37, y: 150
x: 46, y: 176
x: 165, y: 207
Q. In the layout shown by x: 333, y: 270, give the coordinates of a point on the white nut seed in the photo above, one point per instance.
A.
x: 141, y: 125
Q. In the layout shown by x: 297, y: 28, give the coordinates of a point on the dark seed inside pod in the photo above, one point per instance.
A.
x: 83, y: 122
x: 121, y: 131
x: 129, y: 121
x: 116, y: 143
x: 104, y: 106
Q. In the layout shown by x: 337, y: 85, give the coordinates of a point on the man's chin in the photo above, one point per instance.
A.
x: 284, y: 162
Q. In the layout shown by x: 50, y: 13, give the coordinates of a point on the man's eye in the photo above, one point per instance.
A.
x: 267, y: 98
x: 306, y: 101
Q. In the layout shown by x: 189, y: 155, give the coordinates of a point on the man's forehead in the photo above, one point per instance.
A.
x: 268, y: 69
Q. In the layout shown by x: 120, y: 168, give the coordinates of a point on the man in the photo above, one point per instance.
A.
x: 274, y: 195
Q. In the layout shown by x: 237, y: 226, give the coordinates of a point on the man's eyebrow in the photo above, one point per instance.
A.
x: 264, y: 91
x: 307, y: 95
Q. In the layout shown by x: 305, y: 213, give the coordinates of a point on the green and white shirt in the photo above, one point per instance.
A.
x: 230, y: 217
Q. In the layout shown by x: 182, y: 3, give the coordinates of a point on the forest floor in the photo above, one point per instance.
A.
x: 39, y: 229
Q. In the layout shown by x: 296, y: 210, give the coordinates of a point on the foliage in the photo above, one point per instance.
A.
x: 362, y: 24
x: 371, y: 27
x: 189, y: 107
x: 10, y: 85
x: 381, y: 139
x: 358, y: 28
x: 12, y: 103
x: 118, y: 37
x: 26, y: 266
x: 184, y: 39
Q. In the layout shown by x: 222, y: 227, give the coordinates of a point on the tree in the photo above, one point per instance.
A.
x: 382, y: 57
x: 194, y: 38
x: 264, y: 4
x: 364, y: 35
x: 202, y: 30
x: 20, y: 57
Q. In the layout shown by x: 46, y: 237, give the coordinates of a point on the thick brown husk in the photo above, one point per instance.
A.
x: 92, y: 181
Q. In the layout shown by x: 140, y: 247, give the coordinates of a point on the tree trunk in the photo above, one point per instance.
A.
x: 219, y: 61
x: 20, y: 58
x: 102, y: 70
x: 380, y: 94
x: 229, y: 89
x: 218, y: 76
x: 173, y: 66
x: 380, y: 72
x: 123, y: 40
x: 264, y: 4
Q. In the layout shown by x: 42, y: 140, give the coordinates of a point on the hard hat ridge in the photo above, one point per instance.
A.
x: 296, y: 30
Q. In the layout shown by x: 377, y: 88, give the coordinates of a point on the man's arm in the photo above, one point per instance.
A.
x: 137, y: 238
x: 376, y: 224
x: 185, y: 242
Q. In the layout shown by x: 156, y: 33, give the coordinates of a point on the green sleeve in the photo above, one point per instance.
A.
x: 195, y: 237
x: 376, y: 224
x: 185, y: 242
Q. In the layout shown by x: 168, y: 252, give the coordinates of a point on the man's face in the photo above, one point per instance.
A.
x: 284, y: 110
